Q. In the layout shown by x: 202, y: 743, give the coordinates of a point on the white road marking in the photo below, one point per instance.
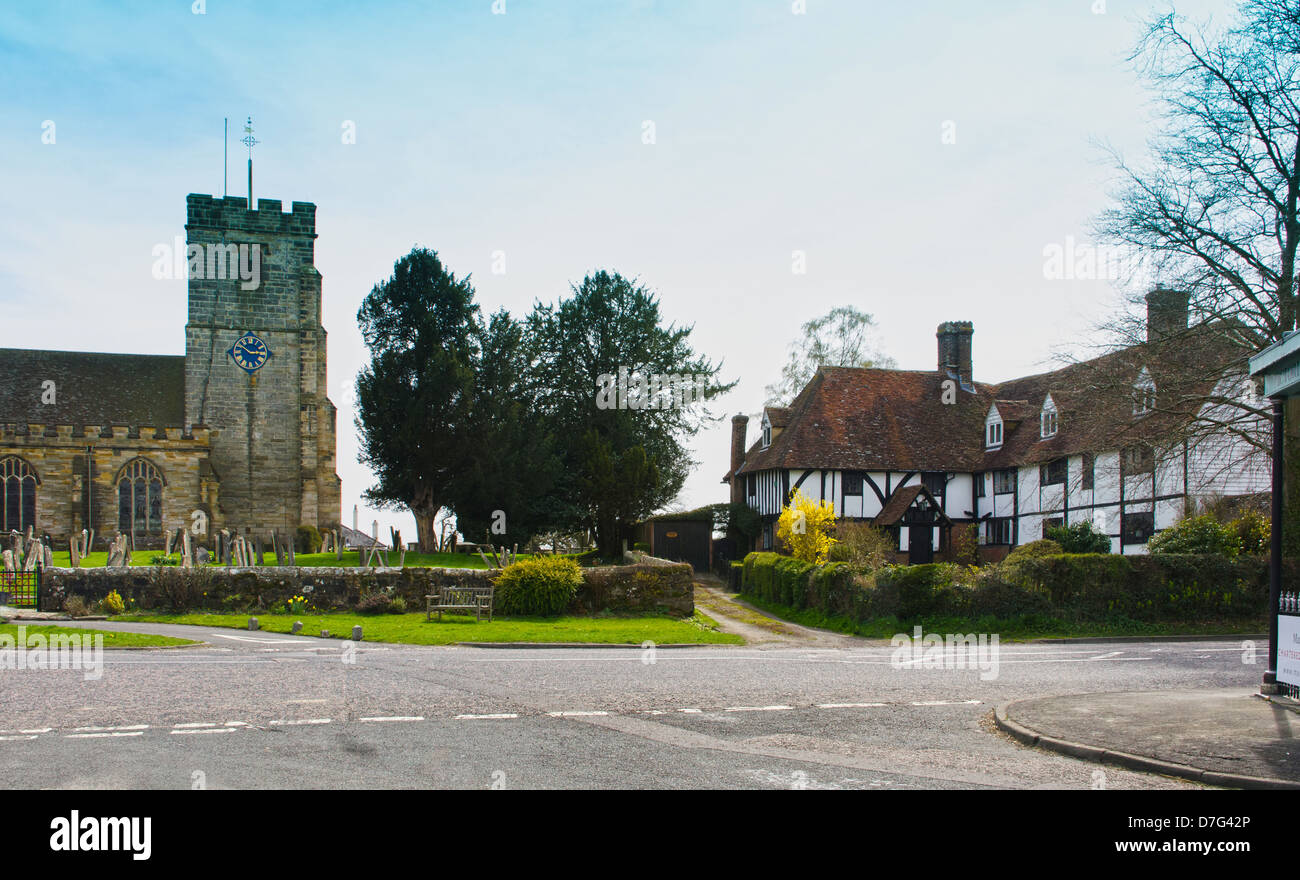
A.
x: 757, y: 708
x: 207, y: 730
x: 575, y: 714
x: 102, y: 735
x: 236, y: 724
x: 278, y: 641
x: 945, y: 702
x: 691, y: 711
x: 393, y: 718
x: 294, y: 723
x: 13, y: 738
x: 193, y: 725
x: 486, y: 717
x: 850, y: 705
x: 103, y: 729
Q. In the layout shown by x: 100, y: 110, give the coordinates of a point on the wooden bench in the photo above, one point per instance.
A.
x: 477, y: 599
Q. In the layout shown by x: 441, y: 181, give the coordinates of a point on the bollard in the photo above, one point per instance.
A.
x: 324, y: 634
x: 356, y: 633
x: 297, y: 627
x: 252, y: 623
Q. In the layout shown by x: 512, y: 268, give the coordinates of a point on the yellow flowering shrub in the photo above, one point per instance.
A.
x: 804, y: 527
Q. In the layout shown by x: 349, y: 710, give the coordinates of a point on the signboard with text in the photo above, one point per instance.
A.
x: 1288, y: 649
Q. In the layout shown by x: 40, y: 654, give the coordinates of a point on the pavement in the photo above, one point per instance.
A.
x: 1228, y: 737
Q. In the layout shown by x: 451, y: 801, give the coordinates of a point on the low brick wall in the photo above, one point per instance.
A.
x: 620, y: 589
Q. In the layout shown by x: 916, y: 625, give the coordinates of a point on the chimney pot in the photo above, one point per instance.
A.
x: 1167, y: 313
x: 955, y: 356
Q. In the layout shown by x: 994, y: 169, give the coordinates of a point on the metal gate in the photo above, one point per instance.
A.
x: 23, y: 588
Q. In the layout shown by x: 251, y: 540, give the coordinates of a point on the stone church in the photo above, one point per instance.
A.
x: 237, y: 433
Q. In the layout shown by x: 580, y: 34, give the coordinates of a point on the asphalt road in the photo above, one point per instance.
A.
x: 259, y: 710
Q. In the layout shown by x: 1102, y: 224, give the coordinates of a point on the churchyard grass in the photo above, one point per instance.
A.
x: 111, y: 639
x: 413, y: 629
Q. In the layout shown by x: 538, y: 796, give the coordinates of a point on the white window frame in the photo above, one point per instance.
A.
x: 1144, y: 393
x: 1048, y: 420
x: 993, y: 425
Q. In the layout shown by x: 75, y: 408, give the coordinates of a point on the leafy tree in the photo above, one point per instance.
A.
x: 805, y: 526
x: 843, y: 337
x: 506, y: 487
x: 413, y: 398
x: 621, y: 458
x: 1080, y: 537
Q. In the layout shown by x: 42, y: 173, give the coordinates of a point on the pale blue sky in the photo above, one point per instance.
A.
x: 522, y: 133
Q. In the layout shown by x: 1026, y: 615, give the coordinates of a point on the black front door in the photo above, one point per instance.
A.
x: 920, y: 546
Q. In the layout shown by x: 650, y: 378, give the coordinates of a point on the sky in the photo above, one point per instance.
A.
x: 756, y: 163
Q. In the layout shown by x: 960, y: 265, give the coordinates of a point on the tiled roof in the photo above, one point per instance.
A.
x: 901, y: 500
x: 851, y: 418
x: 864, y: 418
x: 92, y: 388
x: 777, y: 416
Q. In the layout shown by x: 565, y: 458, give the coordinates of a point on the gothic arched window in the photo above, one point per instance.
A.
x: 139, y: 498
x: 18, y: 481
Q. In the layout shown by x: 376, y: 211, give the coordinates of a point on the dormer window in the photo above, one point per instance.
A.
x: 993, y: 428
x: 767, y: 431
x: 1048, y: 419
x: 1144, y: 393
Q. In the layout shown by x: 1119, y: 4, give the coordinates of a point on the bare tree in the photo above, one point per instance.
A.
x: 1213, y: 210
x: 843, y: 337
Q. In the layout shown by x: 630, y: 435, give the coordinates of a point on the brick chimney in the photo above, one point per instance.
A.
x: 739, y: 425
x: 955, y: 349
x: 1166, y: 313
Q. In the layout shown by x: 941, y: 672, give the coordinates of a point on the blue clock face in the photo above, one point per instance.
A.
x: 249, y: 353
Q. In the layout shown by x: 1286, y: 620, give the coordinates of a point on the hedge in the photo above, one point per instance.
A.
x: 1078, y: 587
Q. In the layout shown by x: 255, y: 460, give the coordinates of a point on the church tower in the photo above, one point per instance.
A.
x: 255, y: 363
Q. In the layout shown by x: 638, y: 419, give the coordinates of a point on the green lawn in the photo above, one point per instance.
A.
x: 413, y: 629
x: 1013, y: 630
x: 111, y: 639
x: 413, y: 560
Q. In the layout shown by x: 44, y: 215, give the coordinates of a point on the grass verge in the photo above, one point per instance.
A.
x: 111, y: 639
x: 1017, y: 629
x: 413, y: 629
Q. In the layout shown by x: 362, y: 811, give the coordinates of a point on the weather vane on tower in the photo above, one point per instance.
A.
x: 249, y: 141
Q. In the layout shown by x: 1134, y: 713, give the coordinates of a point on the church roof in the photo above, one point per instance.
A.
x: 92, y: 388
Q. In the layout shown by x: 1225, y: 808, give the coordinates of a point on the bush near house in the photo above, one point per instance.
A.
x: 1072, y: 587
x: 1253, y: 531
x: 1196, y: 534
x: 805, y: 527
x: 1080, y: 537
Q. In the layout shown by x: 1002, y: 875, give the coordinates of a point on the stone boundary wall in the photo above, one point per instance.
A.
x: 641, y: 588
x: 636, y: 557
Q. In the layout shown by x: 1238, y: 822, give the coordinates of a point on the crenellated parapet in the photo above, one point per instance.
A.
x: 38, y: 435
